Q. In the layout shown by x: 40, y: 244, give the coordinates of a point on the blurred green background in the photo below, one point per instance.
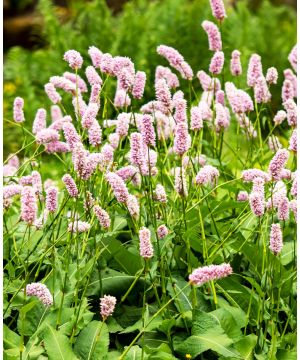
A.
x: 37, y: 33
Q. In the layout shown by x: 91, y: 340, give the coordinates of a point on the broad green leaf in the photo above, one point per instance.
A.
x: 30, y: 319
x: 227, y: 322
x: 135, y: 353
x: 286, y: 355
x: 246, y: 346
x: 57, y: 345
x: 213, y: 339
x: 92, y: 342
x: 10, y: 338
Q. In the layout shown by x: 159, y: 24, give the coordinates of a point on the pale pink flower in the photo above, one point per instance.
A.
x: 239, y: 100
x: 95, y: 134
x: 95, y: 94
x: 250, y: 174
x: 79, y: 226
x: 165, y: 73
x: 11, y: 190
x: 287, y: 91
x: 92, y: 76
x: 214, y: 35
x: 139, y: 85
x: 180, y: 106
x: 28, y: 205
x: 107, y: 64
x: 107, y: 306
x: 74, y: 59
x: 196, y: 118
x: 283, y: 209
x: 41, y: 220
x: 209, y: 273
x: 56, y: 113
x: 89, y: 116
x: 182, y: 140
x: 114, y: 140
x: 276, y: 243
x: 235, y: 63
x: 257, y: 203
x: 261, y: 91
x: 133, y: 206
x: 146, y: 248
x: 254, y: 70
x: 61, y: 82
x: 272, y: 75
x: 39, y: 121
x: 71, y: 135
x: 294, y: 187
x: 18, y: 113
x: 40, y: 291
x: 160, y: 194
x: 147, y: 130
x: 242, y: 196
x: 291, y: 110
x: 52, y: 94
x: 216, y: 63
x: 45, y: 136
x: 136, y: 149
x: 279, y: 117
x: 118, y: 186
x: 162, y: 231
x: 258, y: 185
x: 220, y: 97
x: 121, y: 99
x: 57, y: 147
x: 293, y: 58
x: 102, y: 216
x: 13, y: 160
x: 79, y: 106
x: 207, y: 175
x: 293, y: 141
x: 95, y: 55
x: 163, y: 93
x: 51, y: 198
x: 289, y: 75
x: 277, y: 163
x: 70, y: 185
x: 122, y: 127
x: 221, y: 120
x: 77, y: 80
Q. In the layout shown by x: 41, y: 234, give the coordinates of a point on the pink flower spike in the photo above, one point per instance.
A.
x: 139, y: 85
x: 102, y: 216
x: 28, y: 205
x: 209, y: 273
x: 146, y: 248
x: 214, y: 35
x: 95, y: 134
x: 218, y: 9
x: 70, y: 185
x: 293, y: 141
x: 257, y: 203
x: 39, y: 122
x: 261, y: 91
x: 235, y: 63
x: 56, y: 113
x: 182, y: 139
x: 254, y: 70
x: 119, y: 188
x: 276, y: 243
x: 293, y: 58
x: 278, y: 162
x: 46, y: 136
x: 71, y: 135
x: 52, y: 94
x: 196, y: 118
x: 41, y: 292
x: 162, y: 231
x: 287, y: 90
x: 79, y: 227
x: 18, y: 113
x: 147, y: 130
x: 272, y: 75
x: 92, y: 76
x: 242, y: 196
x: 216, y: 63
x: 74, y: 59
x: 283, y: 209
x: 122, y: 127
x: 279, y: 117
x: 90, y: 115
x: 133, y: 206
x: 51, y: 199
x: 76, y: 79
x: 107, y: 306
x: 95, y: 55
x: 160, y: 194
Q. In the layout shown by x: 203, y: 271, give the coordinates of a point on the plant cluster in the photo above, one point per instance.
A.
x: 165, y: 232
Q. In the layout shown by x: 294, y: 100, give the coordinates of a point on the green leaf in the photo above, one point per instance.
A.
x: 135, y: 353
x: 57, y: 345
x: 286, y: 355
x: 92, y: 342
x: 246, y: 346
x: 10, y: 338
